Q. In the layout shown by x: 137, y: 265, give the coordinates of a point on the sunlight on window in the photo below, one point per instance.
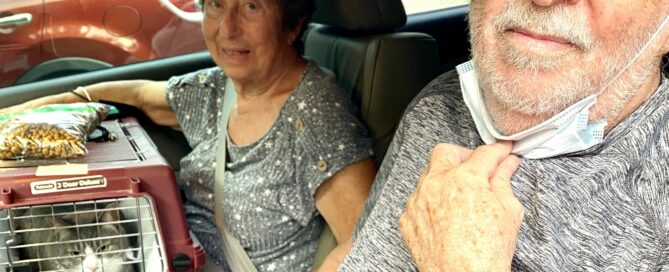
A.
x: 418, y: 6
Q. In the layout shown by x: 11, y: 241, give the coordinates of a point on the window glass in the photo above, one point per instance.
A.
x: 418, y: 6
x: 42, y: 39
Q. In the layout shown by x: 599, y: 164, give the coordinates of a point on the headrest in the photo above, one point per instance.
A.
x: 361, y: 14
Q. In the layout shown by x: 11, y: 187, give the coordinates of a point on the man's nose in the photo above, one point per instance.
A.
x: 546, y: 3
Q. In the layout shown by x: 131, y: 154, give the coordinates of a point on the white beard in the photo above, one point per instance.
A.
x: 514, y: 96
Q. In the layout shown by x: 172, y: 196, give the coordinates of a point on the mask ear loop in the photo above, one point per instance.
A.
x: 634, y: 59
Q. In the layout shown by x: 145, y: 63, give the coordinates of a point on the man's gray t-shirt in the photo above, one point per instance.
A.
x: 270, y: 185
x: 602, y: 209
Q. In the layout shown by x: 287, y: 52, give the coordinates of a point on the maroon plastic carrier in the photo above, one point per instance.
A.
x: 117, y: 209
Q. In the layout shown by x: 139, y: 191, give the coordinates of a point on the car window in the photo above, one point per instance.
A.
x: 418, y: 6
x: 43, y: 39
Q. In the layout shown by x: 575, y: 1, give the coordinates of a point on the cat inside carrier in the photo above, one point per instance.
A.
x: 116, y: 210
x: 117, y: 235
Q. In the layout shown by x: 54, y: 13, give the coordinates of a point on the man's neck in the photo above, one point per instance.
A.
x: 646, y: 89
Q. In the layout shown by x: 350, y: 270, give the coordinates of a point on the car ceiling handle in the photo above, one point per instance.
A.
x: 186, y: 16
x: 16, y: 20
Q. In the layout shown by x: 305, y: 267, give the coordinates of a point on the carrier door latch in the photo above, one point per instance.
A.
x: 181, y: 262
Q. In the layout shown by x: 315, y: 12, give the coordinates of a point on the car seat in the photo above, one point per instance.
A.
x: 382, y: 69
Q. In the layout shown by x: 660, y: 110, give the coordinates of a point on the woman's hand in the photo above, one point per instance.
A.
x: 463, y: 215
x: 47, y: 100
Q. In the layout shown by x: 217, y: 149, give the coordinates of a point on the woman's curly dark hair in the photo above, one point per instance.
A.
x: 293, y: 11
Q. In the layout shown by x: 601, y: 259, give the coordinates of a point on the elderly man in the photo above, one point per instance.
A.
x: 574, y: 89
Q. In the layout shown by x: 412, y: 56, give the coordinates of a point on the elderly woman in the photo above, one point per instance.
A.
x: 296, y: 152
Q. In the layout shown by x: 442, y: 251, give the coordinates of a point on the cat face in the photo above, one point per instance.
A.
x: 87, y: 251
x: 84, y: 243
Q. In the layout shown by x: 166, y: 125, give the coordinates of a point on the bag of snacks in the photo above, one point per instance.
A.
x: 56, y: 131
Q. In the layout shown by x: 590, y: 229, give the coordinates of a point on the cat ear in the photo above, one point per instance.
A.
x: 111, y: 215
x: 55, y: 222
x: 60, y: 224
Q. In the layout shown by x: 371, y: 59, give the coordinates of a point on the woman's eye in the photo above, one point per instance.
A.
x: 213, y: 8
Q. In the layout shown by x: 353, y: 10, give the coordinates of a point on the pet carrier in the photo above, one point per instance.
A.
x: 117, y: 209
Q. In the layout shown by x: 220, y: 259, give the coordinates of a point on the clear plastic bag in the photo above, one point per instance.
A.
x: 56, y: 131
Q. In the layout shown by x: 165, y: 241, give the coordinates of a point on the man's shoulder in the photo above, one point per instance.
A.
x: 446, y: 83
x: 442, y: 93
x: 440, y: 111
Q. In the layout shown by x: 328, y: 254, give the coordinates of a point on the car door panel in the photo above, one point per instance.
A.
x: 19, y: 45
x: 73, y: 36
x: 116, y: 31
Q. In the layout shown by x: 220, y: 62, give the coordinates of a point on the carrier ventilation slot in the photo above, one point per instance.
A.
x: 133, y: 143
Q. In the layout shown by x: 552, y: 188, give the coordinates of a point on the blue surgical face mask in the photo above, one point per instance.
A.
x: 566, y: 132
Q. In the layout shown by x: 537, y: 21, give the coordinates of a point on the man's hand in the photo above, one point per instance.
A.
x: 463, y: 215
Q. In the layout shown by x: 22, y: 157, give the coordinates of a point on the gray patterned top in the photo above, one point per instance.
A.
x: 602, y: 209
x: 269, y: 187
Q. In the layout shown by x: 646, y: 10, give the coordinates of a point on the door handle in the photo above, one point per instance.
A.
x: 16, y: 20
x: 195, y: 17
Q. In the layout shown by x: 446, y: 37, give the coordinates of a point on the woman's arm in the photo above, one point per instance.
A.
x: 336, y: 257
x: 148, y: 96
x: 340, y: 200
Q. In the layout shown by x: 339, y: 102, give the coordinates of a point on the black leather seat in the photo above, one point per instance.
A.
x: 381, y: 68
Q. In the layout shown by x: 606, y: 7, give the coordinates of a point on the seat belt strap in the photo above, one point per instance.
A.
x: 233, y: 251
